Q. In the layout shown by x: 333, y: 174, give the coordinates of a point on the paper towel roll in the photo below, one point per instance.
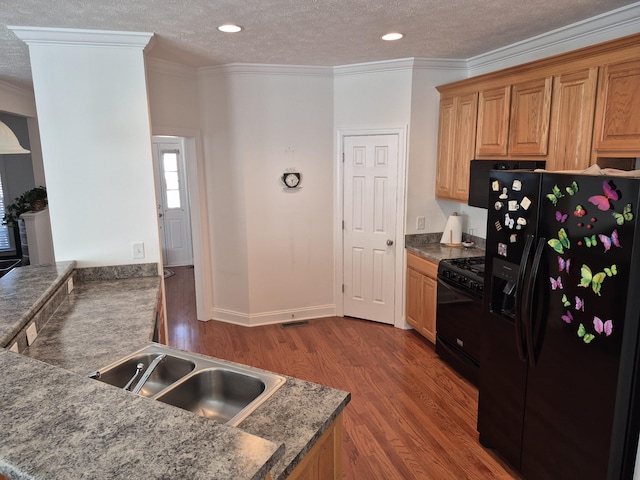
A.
x: 452, y: 234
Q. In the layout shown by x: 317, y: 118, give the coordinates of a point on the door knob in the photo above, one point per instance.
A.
x: 160, y: 215
x: 389, y: 242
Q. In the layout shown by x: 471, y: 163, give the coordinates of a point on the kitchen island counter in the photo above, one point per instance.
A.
x: 102, y: 321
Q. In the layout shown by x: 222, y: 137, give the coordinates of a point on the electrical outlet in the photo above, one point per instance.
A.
x: 138, y: 250
x: 32, y: 333
x: 14, y: 348
x: 70, y: 285
x: 420, y: 223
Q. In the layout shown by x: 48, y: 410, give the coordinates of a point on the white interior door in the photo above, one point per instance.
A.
x: 173, y: 203
x: 369, y: 229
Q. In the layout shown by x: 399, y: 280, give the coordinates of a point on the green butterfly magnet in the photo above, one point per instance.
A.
x: 560, y: 243
x: 625, y: 216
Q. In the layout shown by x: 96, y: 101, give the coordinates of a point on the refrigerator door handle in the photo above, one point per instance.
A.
x: 535, y: 266
x: 519, y: 307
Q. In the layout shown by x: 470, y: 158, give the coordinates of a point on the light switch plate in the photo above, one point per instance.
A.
x: 70, y: 285
x: 32, y: 333
x: 14, y: 348
x: 138, y: 250
x: 420, y: 223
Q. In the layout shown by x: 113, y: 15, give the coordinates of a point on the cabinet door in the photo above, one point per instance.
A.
x: 573, y: 105
x: 414, y: 298
x: 446, y: 130
x: 529, y: 122
x: 617, y: 118
x: 493, y: 121
x: 456, y: 143
x: 464, y: 144
x: 429, y: 299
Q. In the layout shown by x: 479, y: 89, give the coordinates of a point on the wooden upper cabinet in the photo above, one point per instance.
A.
x: 572, y: 111
x: 446, y: 130
x: 456, y: 145
x: 529, y: 121
x: 493, y: 121
x: 617, y: 128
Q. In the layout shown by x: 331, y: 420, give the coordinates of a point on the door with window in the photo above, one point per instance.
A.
x: 369, y: 227
x: 173, y: 203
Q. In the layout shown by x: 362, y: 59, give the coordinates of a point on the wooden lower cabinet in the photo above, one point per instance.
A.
x: 422, y: 291
x: 324, y: 460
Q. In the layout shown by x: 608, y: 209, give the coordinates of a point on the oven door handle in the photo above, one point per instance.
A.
x: 455, y: 289
x: 520, y: 299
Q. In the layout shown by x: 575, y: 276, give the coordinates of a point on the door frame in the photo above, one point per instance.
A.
x: 401, y: 200
x: 182, y: 167
x: 200, y: 236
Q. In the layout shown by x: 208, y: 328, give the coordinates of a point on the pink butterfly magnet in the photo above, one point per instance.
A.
x: 568, y: 318
x: 561, y: 217
x: 555, y: 283
x: 579, y: 303
x: 603, y: 201
x: 603, y: 327
x: 607, y: 242
x: 563, y: 265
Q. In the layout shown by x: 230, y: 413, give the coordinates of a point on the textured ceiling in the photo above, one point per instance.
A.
x: 297, y: 32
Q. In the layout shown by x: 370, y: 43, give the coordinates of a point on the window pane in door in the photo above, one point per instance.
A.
x: 170, y: 161
x: 171, y: 180
x: 173, y: 199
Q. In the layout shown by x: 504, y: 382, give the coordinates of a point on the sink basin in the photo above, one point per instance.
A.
x: 215, y: 389
x: 216, y: 393
x: 166, y: 373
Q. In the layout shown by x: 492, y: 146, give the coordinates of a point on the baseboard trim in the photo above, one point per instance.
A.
x: 270, y: 318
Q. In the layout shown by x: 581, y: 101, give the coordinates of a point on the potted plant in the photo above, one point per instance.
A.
x: 31, y: 200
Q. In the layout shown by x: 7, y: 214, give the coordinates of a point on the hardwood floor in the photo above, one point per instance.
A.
x: 410, y: 416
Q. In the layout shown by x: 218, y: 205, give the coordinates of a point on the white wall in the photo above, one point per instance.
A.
x: 96, y: 145
x: 272, y: 248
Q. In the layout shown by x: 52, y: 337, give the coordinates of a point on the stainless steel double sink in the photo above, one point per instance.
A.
x: 223, y: 391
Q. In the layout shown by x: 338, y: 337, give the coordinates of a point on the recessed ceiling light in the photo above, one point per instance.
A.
x: 392, y: 36
x: 229, y: 28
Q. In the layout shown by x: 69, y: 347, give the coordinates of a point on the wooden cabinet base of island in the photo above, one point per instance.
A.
x: 422, y: 292
x: 324, y: 460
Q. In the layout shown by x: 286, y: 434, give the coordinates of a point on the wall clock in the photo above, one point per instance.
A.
x: 291, y: 179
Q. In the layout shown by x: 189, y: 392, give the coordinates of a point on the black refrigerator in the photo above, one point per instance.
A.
x: 558, y: 389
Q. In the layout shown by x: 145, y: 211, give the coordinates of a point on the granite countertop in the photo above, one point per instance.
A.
x: 95, y: 326
x: 24, y: 290
x: 436, y: 251
x: 57, y: 424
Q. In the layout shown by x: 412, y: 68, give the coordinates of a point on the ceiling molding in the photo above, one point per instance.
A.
x: 169, y: 68
x: 264, y: 69
x: 72, y: 36
x: 440, y: 64
x: 374, y: 67
x: 608, y: 26
x: 12, y: 89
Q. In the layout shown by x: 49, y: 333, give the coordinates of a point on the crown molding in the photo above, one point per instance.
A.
x: 72, y: 36
x: 374, y: 67
x: 170, y: 68
x: 264, y: 69
x: 16, y: 90
x: 440, y: 64
x: 601, y: 28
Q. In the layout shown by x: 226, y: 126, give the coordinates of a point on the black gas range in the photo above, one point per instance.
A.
x: 466, y: 273
x: 459, y: 314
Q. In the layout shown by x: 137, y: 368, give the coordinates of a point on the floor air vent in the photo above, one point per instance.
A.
x: 295, y: 324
